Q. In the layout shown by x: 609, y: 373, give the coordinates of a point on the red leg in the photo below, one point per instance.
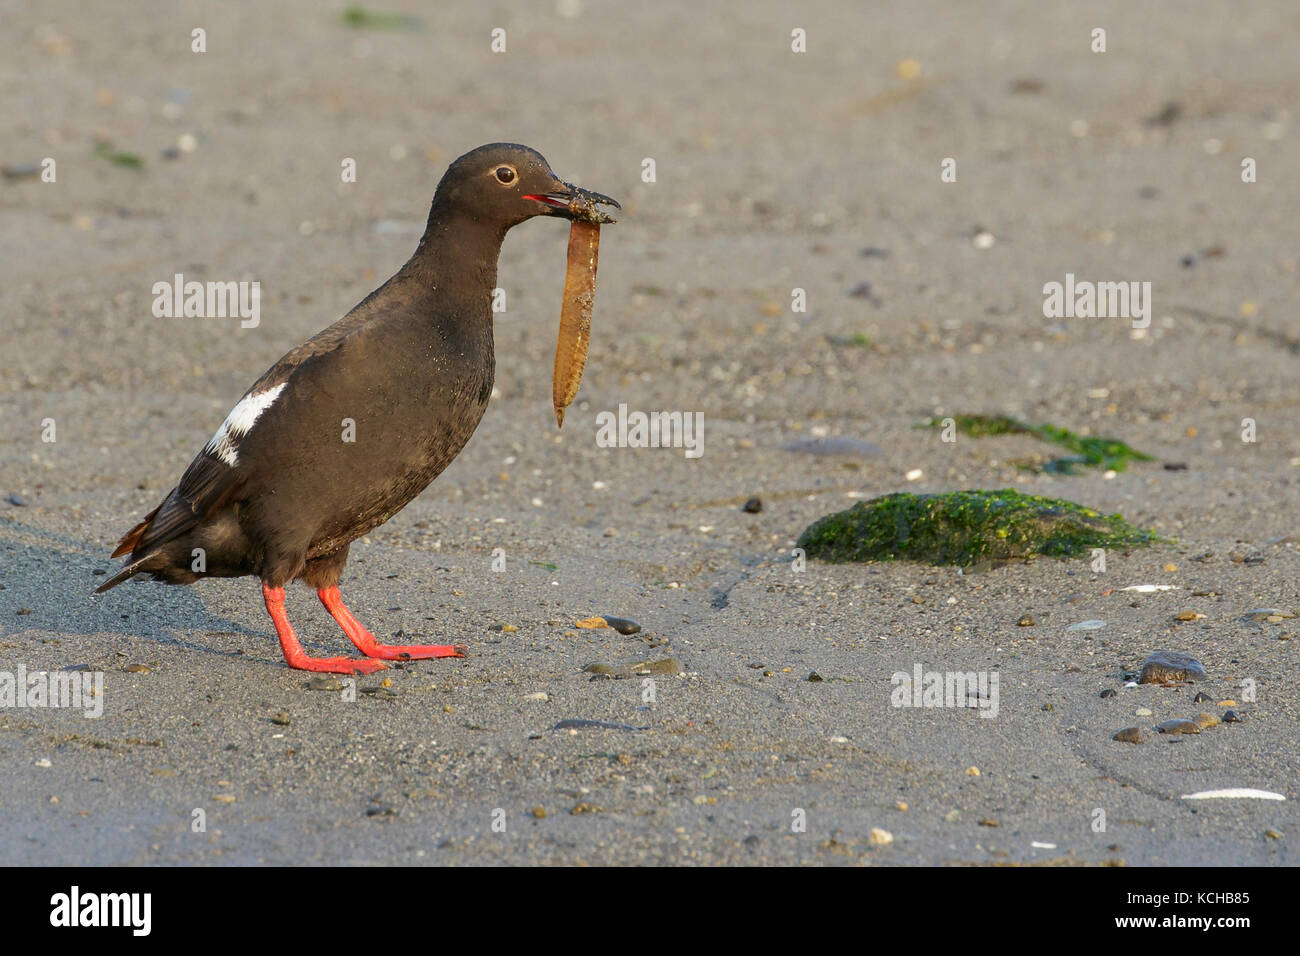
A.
x: 365, y: 641
x: 295, y: 656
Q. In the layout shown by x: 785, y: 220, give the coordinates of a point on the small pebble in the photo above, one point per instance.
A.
x: 1129, y: 735
x: 1204, y: 720
x: 539, y: 813
x: 1109, y: 692
x: 1142, y: 712
x: 281, y: 719
x: 574, y: 723
x: 1189, y: 616
x: 1230, y: 717
x: 881, y: 837
x: 972, y: 771
x: 623, y: 625
x: 1179, y: 725
x: 814, y: 677
x: 1270, y: 615
x: 136, y: 669
x: 753, y: 506
x: 1202, y: 698
x: 952, y: 816
x: 324, y: 682
x: 634, y: 668
x: 18, y: 501
x: 1086, y: 626
x: 1026, y: 620
x: 1162, y: 667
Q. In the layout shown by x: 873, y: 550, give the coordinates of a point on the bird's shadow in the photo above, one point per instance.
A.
x: 48, y: 581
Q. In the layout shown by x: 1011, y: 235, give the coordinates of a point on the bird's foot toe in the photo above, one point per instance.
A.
x: 337, y: 665
x: 415, y: 652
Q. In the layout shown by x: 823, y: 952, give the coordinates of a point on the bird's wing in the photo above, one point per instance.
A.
x: 217, y: 472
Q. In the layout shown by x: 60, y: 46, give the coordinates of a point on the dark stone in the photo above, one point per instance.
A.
x: 574, y: 723
x: 1161, y: 667
x: 623, y: 625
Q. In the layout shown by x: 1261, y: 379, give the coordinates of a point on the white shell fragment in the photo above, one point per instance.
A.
x: 1234, y: 793
x: 1086, y: 626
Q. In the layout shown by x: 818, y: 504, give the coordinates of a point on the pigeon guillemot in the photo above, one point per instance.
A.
x: 348, y: 427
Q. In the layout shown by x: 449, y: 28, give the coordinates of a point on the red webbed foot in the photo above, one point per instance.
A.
x: 368, y: 645
x: 296, y: 657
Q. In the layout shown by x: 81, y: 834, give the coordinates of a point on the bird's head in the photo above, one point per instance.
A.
x: 507, y: 183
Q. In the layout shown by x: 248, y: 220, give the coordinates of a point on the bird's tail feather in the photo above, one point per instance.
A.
x: 132, y: 538
x: 130, y: 541
x: 130, y: 571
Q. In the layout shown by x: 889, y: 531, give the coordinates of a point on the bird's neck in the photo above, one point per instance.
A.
x: 458, y: 256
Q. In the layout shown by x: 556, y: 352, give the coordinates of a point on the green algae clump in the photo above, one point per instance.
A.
x: 1089, y: 451
x: 966, y: 528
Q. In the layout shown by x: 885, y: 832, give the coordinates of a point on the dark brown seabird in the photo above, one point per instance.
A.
x: 278, y: 493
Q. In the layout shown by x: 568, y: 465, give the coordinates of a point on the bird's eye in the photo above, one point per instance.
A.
x: 505, y: 175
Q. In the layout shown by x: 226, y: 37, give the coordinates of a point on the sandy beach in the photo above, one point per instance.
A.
x: 780, y: 179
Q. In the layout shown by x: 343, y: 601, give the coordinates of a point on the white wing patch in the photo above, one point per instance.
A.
x: 238, y: 423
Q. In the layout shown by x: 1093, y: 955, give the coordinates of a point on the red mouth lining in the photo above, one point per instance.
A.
x: 550, y: 200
